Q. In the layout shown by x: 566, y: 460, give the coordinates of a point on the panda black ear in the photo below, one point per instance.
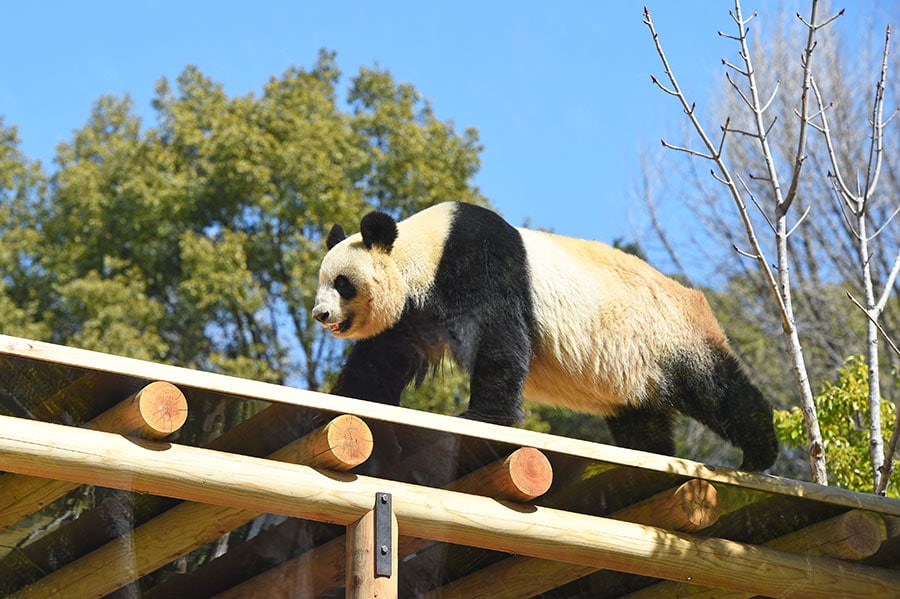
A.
x: 335, y: 236
x: 378, y: 229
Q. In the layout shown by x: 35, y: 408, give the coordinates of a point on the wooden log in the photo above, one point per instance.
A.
x: 522, y: 476
x: 691, y: 506
x: 608, y: 454
x: 298, y: 491
x: 155, y: 411
x: 362, y: 580
x: 526, y: 472
x: 345, y: 441
x: 853, y: 535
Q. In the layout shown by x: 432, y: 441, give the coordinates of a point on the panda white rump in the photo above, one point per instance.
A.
x: 604, y: 319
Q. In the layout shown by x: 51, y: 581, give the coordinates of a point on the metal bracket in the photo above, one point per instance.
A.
x: 383, y: 549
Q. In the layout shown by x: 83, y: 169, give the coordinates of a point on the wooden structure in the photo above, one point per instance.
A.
x: 311, y: 495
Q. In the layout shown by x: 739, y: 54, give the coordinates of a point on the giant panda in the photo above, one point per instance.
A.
x: 560, y: 321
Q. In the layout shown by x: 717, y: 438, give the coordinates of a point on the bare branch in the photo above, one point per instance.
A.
x: 876, y: 148
x: 799, y: 221
x: 889, y: 284
x: 686, y: 150
x: 740, y: 92
x: 804, y: 105
x: 828, y: 21
x: 733, y: 67
x: 663, y: 87
x: 772, y: 97
x: 875, y: 322
x: 744, y: 253
x: 836, y: 176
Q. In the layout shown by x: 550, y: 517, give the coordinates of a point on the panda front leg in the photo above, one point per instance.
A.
x: 377, y: 369
x: 498, y: 376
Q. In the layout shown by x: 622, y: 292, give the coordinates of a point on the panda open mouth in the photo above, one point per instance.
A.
x: 340, y: 327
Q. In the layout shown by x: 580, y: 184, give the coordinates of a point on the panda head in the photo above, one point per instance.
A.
x: 361, y: 292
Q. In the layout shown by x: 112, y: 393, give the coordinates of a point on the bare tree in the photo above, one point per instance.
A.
x: 821, y: 239
x: 781, y: 200
x: 855, y: 202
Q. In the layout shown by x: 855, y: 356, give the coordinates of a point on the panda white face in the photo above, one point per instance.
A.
x: 360, y: 292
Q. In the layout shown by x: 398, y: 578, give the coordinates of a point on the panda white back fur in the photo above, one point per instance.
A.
x: 562, y: 321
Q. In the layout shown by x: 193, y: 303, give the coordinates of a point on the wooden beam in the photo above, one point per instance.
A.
x: 852, y: 535
x: 523, y: 476
x: 155, y: 411
x: 185, y: 377
x: 297, y: 491
x: 523, y: 473
x: 691, y: 506
x: 341, y: 444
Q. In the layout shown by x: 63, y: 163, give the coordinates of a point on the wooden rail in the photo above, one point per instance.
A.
x: 157, y: 410
x: 261, y: 485
x: 343, y: 443
x: 208, y: 381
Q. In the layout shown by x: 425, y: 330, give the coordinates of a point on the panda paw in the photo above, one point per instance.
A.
x: 492, y: 417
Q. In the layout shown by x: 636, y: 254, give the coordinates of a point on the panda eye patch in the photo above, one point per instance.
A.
x: 344, y: 287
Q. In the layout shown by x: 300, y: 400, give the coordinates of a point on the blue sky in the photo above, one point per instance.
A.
x: 559, y: 91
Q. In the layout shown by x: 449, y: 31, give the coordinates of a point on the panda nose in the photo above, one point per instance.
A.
x: 320, y: 314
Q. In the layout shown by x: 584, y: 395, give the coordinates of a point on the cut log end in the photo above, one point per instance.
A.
x: 349, y: 442
x: 163, y: 408
x: 530, y: 474
x: 699, y: 503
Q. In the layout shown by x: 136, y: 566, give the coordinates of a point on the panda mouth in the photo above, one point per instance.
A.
x: 340, y: 327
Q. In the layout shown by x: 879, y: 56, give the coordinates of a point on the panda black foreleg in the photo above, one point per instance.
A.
x: 643, y: 428
x: 377, y: 369
x: 498, y: 376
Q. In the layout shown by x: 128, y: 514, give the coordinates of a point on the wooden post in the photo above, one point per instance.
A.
x: 155, y: 411
x: 344, y: 443
x: 691, y: 506
x: 370, y: 539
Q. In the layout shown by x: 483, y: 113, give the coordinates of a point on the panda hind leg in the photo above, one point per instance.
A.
x: 727, y: 402
x: 644, y: 428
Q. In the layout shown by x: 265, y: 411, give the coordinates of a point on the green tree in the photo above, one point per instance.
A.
x: 22, y: 184
x: 844, y: 417
x: 197, y: 240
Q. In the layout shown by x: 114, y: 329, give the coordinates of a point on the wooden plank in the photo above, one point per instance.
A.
x: 38, y: 448
x: 184, y: 378
x: 341, y: 444
x: 155, y: 411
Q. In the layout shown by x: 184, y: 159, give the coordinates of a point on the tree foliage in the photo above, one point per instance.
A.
x: 844, y: 416
x: 197, y: 240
